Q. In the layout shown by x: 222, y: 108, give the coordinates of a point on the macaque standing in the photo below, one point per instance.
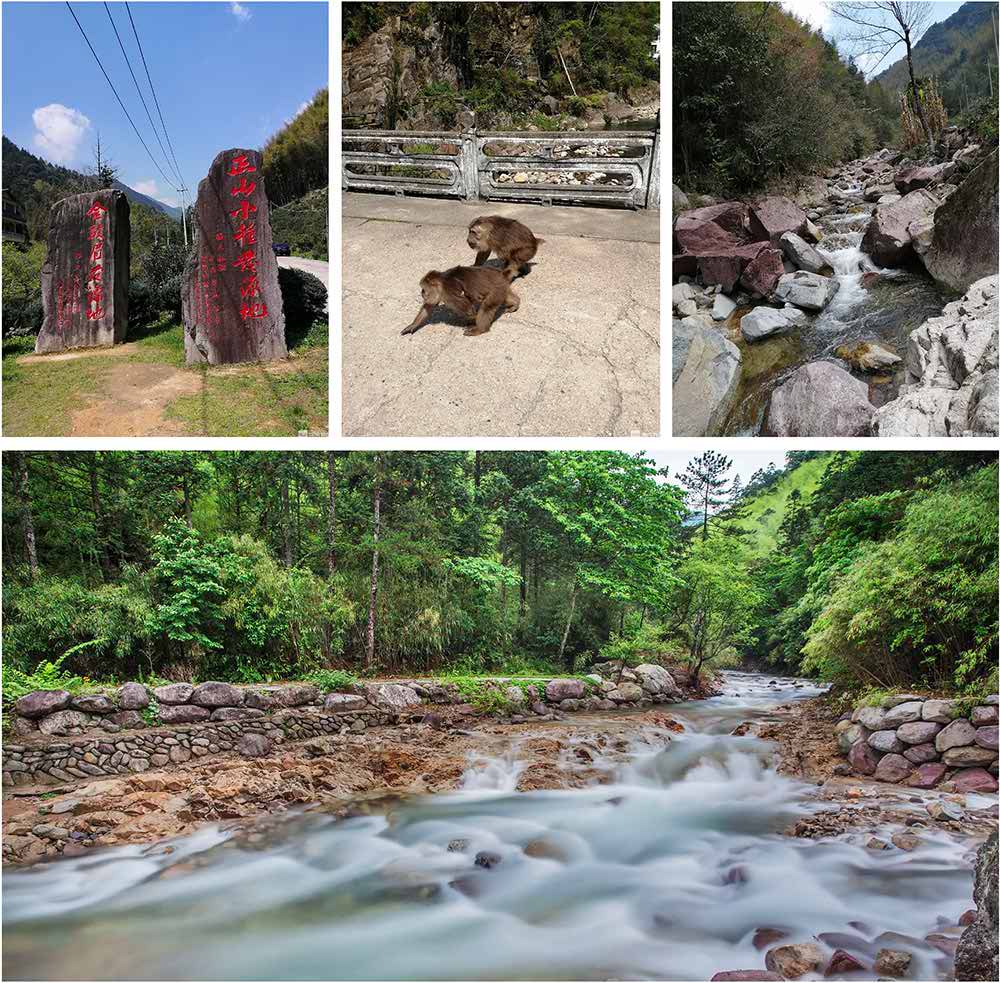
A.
x: 474, y: 292
x: 512, y: 241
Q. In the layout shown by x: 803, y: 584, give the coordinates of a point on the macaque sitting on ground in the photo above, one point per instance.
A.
x: 513, y: 242
x: 476, y: 293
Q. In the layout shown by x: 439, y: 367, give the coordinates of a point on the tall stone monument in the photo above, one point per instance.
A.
x: 231, y: 301
x: 85, y: 276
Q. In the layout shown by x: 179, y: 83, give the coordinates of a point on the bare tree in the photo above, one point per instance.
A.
x: 877, y: 28
x: 104, y: 172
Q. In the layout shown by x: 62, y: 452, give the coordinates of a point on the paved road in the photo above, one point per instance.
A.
x: 316, y: 267
x: 580, y: 357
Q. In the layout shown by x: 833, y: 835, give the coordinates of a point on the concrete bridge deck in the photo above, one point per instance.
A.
x: 580, y: 357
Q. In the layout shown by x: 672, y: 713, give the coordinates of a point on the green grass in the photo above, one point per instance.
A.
x: 258, y: 403
x: 766, y: 511
x: 39, y: 398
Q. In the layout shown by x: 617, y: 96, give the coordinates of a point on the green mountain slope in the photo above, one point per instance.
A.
x: 296, y: 158
x: 955, y: 52
x: 765, y: 510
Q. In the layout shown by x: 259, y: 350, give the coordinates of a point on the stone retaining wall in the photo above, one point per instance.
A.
x: 923, y: 743
x: 158, y: 747
x: 60, y: 737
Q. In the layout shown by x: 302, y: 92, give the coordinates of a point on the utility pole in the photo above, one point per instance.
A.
x: 184, y: 217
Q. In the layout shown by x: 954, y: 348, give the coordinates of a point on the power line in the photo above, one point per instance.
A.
x: 120, y: 103
x: 152, y: 89
x: 135, y: 82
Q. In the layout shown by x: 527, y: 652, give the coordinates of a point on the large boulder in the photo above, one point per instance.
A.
x: 912, y: 178
x: 959, y: 733
x: 819, y: 399
x: 706, y: 375
x: 950, y: 387
x: 804, y: 256
x: 976, y: 956
x: 133, y: 696
x: 773, y: 216
x: 183, y: 713
x: 724, y: 267
x: 557, y: 690
x: 344, y: 702
x: 215, y: 694
x: 808, y: 290
x: 393, y: 696
x: 656, y: 680
x: 173, y: 693
x: 863, y: 758
x: 887, y: 239
x: 703, y: 230
x: 93, y: 703
x: 762, y: 273
x: 42, y: 702
x: 762, y: 322
x: 63, y: 722
x: 680, y: 200
x: 964, y: 246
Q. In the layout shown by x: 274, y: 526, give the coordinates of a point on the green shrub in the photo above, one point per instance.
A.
x: 100, y: 631
x: 303, y: 297
x: 46, y: 675
x: 333, y: 680
x: 22, y: 289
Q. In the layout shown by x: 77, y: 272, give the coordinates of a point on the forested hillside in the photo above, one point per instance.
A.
x: 296, y: 158
x: 249, y: 565
x: 296, y: 166
x: 955, y: 51
x: 37, y: 185
x: 759, y: 96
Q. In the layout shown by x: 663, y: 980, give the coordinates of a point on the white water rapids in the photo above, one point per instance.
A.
x: 664, y: 872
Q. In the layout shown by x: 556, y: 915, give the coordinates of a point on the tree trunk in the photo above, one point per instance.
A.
x: 916, y: 96
x: 27, y: 516
x: 100, y: 531
x: 524, y: 580
x: 569, y: 620
x: 286, y: 532
x: 331, y: 514
x: 373, y: 593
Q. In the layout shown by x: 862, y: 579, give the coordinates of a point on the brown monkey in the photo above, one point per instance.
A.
x: 477, y: 293
x: 513, y: 242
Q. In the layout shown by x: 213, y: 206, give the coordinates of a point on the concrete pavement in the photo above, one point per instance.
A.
x: 580, y: 357
x: 317, y: 267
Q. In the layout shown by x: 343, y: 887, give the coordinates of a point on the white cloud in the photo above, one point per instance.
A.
x: 59, y: 131
x: 815, y: 13
x: 241, y: 13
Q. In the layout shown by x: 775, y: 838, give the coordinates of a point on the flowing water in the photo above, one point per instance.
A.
x: 664, y: 871
x: 885, y: 310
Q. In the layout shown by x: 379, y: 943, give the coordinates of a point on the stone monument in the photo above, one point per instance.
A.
x: 231, y: 301
x: 85, y: 276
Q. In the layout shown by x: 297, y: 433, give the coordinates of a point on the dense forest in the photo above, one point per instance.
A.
x: 296, y: 158
x: 505, y: 61
x: 759, y: 96
x: 256, y: 565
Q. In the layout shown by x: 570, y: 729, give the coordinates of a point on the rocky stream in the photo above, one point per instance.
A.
x: 866, y: 306
x: 613, y: 845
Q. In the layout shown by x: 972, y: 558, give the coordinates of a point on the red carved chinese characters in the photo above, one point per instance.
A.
x: 95, y: 278
x: 246, y: 236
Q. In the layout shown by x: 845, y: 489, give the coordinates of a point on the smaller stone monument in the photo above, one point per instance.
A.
x: 85, y: 276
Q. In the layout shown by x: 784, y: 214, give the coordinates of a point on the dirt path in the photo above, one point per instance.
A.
x: 128, y: 391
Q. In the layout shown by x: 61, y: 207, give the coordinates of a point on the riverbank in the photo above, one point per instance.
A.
x: 826, y: 312
x: 666, y: 843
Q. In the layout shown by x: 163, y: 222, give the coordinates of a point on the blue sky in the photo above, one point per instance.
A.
x: 817, y: 14
x: 226, y: 75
